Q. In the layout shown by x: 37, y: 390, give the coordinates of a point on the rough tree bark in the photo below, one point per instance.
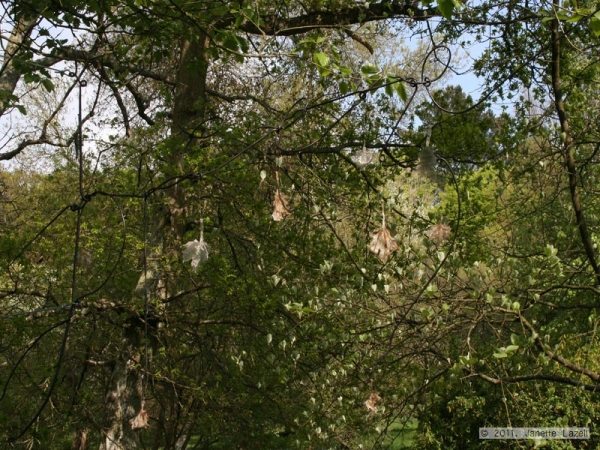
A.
x: 9, y: 75
x: 123, y: 401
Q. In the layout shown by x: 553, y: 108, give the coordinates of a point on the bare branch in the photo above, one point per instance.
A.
x: 533, y: 377
x: 567, y: 149
x: 360, y: 40
x: 594, y: 376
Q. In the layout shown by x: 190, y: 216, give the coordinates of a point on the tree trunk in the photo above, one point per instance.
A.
x: 123, y: 402
x: 189, y: 109
x: 125, y: 397
x: 9, y: 76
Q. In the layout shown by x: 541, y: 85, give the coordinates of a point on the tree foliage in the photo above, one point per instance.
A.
x: 256, y: 225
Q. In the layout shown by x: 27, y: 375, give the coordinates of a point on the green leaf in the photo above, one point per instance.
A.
x: 446, y: 8
x: 401, y: 91
x: 374, y: 81
x: 239, y: 20
x: 369, y: 69
x: 550, y: 250
x: 431, y: 290
x: 321, y: 59
x: 31, y: 78
x: 344, y: 88
x: 595, y: 25
x: 427, y: 313
x: 345, y: 71
x: 389, y: 89
x: 517, y: 340
x: 48, y: 85
x: 467, y: 360
x: 243, y: 44
x: 7, y: 96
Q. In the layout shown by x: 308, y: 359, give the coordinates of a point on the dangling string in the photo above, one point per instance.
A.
x: 146, y: 308
x: 79, y: 134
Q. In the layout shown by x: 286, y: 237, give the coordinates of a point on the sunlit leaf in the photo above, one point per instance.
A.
x: 369, y: 69
x: 401, y: 90
x: 446, y: 7
x: 321, y: 59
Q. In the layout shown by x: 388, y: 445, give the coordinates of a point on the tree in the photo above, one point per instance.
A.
x: 450, y: 110
x: 238, y: 131
x: 116, y: 49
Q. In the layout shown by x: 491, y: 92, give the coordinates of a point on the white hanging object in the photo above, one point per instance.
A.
x: 364, y: 157
x: 196, y: 251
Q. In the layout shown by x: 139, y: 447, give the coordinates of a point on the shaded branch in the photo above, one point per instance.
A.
x: 275, y: 25
x: 533, y: 377
x: 140, y: 102
x: 233, y: 98
x: 104, y: 77
x: 360, y: 40
x: 337, y: 148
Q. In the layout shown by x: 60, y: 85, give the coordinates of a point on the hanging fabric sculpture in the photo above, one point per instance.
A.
x: 382, y: 243
x: 196, y: 251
